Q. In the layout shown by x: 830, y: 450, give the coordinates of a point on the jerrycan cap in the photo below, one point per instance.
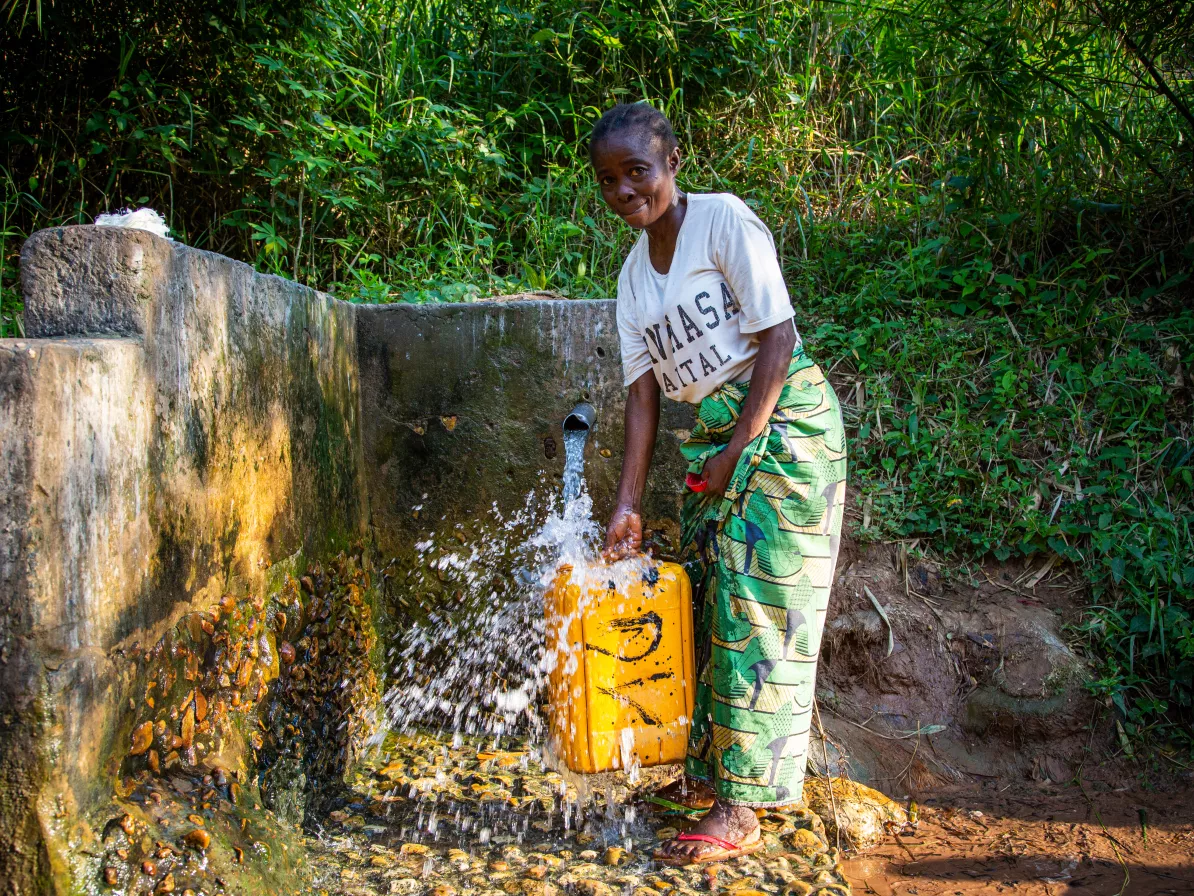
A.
x: 695, y: 482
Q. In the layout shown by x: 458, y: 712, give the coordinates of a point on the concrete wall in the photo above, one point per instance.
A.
x: 176, y: 423
x: 462, y: 407
x: 190, y: 423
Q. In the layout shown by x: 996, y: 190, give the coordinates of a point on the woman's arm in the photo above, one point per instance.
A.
x: 624, y: 535
x: 766, y: 382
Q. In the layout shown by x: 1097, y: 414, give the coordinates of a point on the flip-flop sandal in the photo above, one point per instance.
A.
x: 728, y: 850
x: 672, y: 808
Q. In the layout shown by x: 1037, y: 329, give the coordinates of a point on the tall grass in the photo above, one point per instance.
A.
x: 984, y: 212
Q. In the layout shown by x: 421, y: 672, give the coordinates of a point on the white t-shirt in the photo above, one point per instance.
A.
x: 695, y: 326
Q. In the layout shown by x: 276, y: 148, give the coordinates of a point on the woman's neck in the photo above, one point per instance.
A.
x: 664, y: 229
x: 663, y: 232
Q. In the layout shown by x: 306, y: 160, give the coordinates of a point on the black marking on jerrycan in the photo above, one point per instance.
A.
x: 613, y: 694
x: 635, y: 625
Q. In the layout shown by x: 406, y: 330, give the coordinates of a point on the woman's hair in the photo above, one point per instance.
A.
x: 641, y: 117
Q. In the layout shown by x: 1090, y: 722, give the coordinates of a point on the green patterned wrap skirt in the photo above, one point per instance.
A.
x: 762, y: 561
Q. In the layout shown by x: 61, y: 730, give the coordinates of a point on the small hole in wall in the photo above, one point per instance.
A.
x: 600, y: 352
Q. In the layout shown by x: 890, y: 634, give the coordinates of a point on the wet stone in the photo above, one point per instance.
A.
x: 585, y: 887
x: 485, y: 818
x: 615, y: 856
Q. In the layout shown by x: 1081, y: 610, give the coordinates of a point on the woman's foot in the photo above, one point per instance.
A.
x: 691, y: 793
x: 732, y: 830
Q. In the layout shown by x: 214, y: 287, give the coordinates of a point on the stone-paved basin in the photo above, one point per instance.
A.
x: 427, y: 817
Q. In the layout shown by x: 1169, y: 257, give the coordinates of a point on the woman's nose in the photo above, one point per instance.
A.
x: 625, y: 192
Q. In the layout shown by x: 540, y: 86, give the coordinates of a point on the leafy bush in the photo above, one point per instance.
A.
x: 984, y: 212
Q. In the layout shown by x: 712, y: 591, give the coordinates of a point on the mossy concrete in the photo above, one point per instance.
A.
x: 189, y: 423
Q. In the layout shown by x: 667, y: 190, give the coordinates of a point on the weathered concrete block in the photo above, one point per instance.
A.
x: 74, y: 428
x: 92, y: 281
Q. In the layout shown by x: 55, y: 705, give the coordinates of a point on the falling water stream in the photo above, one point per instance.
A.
x: 472, y: 681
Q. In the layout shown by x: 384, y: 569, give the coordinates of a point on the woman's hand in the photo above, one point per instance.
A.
x: 623, y: 535
x: 719, y: 469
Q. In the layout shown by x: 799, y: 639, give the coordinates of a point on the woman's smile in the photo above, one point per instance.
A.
x: 637, y: 177
x: 632, y: 211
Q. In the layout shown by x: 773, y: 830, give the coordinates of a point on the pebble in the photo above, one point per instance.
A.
x: 588, y: 855
x: 537, y: 872
x: 141, y: 739
x: 587, y: 887
x: 615, y: 856
x: 804, y: 842
x: 497, y: 865
x: 111, y: 876
x: 797, y: 888
x: 414, y: 849
x: 198, y: 839
x: 406, y: 886
x: 442, y: 890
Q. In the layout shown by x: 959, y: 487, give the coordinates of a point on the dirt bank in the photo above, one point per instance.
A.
x: 931, y: 676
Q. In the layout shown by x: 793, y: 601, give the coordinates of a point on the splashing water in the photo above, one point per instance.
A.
x: 476, y: 668
x: 478, y: 665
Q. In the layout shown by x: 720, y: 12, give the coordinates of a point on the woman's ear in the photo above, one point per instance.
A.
x: 673, y: 160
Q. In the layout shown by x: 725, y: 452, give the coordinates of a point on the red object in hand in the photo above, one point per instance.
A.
x: 695, y: 482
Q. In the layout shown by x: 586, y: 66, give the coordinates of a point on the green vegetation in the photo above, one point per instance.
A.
x: 985, y: 211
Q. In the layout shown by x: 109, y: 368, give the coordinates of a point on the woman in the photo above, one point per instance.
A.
x: 704, y: 317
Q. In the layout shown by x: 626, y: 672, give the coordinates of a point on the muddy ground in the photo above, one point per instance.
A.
x: 1038, y: 841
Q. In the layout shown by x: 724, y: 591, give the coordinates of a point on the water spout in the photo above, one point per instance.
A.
x: 583, y: 416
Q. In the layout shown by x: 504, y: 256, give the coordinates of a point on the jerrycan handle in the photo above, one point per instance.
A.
x: 695, y: 482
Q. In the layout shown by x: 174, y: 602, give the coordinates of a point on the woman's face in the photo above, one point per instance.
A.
x: 637, y: 177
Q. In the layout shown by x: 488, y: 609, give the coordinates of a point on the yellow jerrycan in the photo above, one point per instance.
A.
x: 622, y: 687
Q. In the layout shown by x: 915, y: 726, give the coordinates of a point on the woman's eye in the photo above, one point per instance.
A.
x: 638, y: 171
